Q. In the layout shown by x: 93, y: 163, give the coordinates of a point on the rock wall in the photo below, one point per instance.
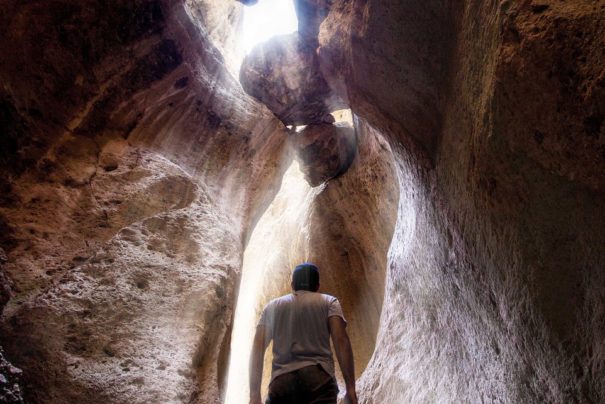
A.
x: 134, y: 169
x: 133, y: 166
x: 493, y: 291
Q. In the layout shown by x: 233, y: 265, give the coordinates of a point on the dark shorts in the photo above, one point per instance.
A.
x: 309, y: 385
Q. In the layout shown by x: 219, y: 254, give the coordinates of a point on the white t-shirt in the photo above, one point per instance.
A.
x: 298, y: 325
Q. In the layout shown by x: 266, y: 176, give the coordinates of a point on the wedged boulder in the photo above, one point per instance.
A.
x: 283, y: 73
x: 325, y: 151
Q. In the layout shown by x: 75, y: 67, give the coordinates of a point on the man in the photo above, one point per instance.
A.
x: 300, y: 325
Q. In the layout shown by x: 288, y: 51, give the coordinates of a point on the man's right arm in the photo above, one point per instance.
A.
x: 344, y: 353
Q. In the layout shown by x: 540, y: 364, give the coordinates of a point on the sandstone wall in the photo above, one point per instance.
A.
x: 133, y: 167
x: 494, y: 290
x: 465, y: 240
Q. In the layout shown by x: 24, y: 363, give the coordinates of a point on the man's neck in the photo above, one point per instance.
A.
x: 303, y: 291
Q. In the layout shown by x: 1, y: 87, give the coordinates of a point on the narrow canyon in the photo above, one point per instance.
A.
x: 161, y: 174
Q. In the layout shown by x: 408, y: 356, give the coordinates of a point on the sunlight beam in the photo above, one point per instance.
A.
x: 267, y: 19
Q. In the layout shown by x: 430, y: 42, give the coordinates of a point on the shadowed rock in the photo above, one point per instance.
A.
x: 284, y: 74
x: 310, y: 14
x: 325, y: 151
x: 10, y: 390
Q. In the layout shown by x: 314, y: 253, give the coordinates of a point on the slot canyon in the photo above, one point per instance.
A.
x: 442, y: 162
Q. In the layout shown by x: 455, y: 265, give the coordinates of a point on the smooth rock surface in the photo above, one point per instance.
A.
x: 389, y: 61
x: 310, y: 14
x: 493, y: 289
x: 345, y: 227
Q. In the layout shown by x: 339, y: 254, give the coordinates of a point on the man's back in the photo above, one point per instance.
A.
x: 301, y: 325
x: 298, y: 325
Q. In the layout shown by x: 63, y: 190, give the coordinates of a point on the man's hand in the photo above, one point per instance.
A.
x: 351, y: 396
x: 344, y: 353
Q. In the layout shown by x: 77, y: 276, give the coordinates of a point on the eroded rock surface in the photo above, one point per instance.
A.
x: 464, y: 240
x: 283, y: 73
x: 154, y: 273
x: 492, y: 293
x: 389, y: 60
x: 123, y: 217
x: 10, y: 390
x: 345, y: 227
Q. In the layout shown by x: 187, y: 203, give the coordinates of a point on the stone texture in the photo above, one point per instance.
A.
x: 325, y: 151
x: 10, y: 388
x: 220, y: 22
x: 124, y: 217
x: 5, y: 284
x: 283, y: 73
x: 464, y: 240
x: 493, y: 289
x: 77, y: 325
x: 10, y: 391
x: 552, y: 55
x: 389, y: 61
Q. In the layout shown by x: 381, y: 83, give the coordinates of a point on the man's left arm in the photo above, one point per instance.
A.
x: 256, y: 364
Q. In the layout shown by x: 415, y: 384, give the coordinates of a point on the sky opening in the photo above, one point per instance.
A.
x: 266, y: 19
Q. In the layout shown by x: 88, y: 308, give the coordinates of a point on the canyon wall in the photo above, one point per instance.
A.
x: 133, y: 166
x: 494, y: 290
x: 464, y: 240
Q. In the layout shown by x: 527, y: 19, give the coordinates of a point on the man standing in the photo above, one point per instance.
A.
x: 300, y: 325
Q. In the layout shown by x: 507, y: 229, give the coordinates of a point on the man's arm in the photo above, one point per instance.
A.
x: 344, y: 353
x: 256, y: 364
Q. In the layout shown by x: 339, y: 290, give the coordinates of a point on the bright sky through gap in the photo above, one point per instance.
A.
x: 266, y: 19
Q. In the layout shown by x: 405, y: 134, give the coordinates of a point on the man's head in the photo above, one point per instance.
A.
x: 305, y: 277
